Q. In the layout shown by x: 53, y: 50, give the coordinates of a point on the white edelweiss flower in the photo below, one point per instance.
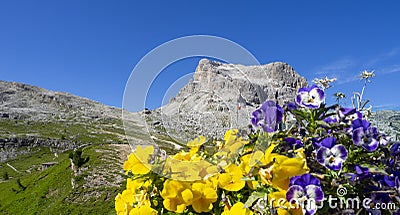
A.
x: 367, y: 75
x: 324, y: 83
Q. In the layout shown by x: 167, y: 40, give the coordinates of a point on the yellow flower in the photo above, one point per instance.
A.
x: 187, y: 156
x: 138, y: 162
x: 177, y: 195
x: 285, y: 169
x: 185, y: 166
x: 141, y: 198
x: 137, y: 184
x: 143, y: 210
x: 233, y: 143
x: 203, y: 197
x: 195, y: 144
x: 233, y: 148
x: 237, y: 209
x: 278, y: 200
x: 134, y: 195
x: 248, y: 161
x: 123, y: 205
x: 182, y: 156
x: 137, y: 191
x: 231, y: 179
x: 244, y: 163
x: 278, y: 169
x: 208, y: 170
x: 231, y: 136
x: 186, y: 171
x: 300, y: 153
x: 213, y: 181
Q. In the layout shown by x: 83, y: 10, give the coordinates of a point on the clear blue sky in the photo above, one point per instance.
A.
x: 89, y: 48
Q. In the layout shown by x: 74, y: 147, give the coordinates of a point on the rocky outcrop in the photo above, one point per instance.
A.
x: 387, y: 122
x: 25, y: 102
x: 222, y: 96
x: 14, y: 146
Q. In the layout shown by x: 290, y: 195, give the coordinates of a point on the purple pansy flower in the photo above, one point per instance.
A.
x: 291, y: 106
x: 361, y: 173
x: 304, y: 180
x: 310, y: 97
x: 305, y: 190
x: 390, y: 180
x: 292, y: 142
x: 395, y: 149
x: 383, y: 139
x: 365, y: 135
x: 330, y: 119
x: 394, y: 152
x: 330, y: 155
x: 349, y: 114
x: 268, y: 116
x: 316, y: 143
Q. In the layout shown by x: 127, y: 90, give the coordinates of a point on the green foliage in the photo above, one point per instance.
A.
x: 22, y: 187
x: 5, y: 176
x: 77, y: 158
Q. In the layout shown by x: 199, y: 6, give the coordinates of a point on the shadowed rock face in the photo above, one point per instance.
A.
x: 208, y: 104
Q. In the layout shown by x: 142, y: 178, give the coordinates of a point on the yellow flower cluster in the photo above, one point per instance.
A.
x: 137, y: 162
x: 178, y: 195
x: 135, y: 199
x: 237, y: 209
x: 192, y: 180
x: 189, y: 166
x: 276, y: 170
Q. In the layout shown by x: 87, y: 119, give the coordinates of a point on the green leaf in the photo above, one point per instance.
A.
x: 248, y: 179
x: 254, y: 197
x: 322, y: 123
x: 376, y: 170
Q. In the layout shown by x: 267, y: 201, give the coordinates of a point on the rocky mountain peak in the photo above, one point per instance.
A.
x: 209, y: 103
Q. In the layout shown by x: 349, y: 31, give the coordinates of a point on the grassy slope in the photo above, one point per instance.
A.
x: 98, y: 132
x: 50, y: 191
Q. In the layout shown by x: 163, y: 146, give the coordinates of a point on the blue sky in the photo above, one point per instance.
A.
x: 89, y: 48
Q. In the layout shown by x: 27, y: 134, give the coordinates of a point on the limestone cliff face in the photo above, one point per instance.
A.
x: 255, y: 84
x: 208, y: 104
